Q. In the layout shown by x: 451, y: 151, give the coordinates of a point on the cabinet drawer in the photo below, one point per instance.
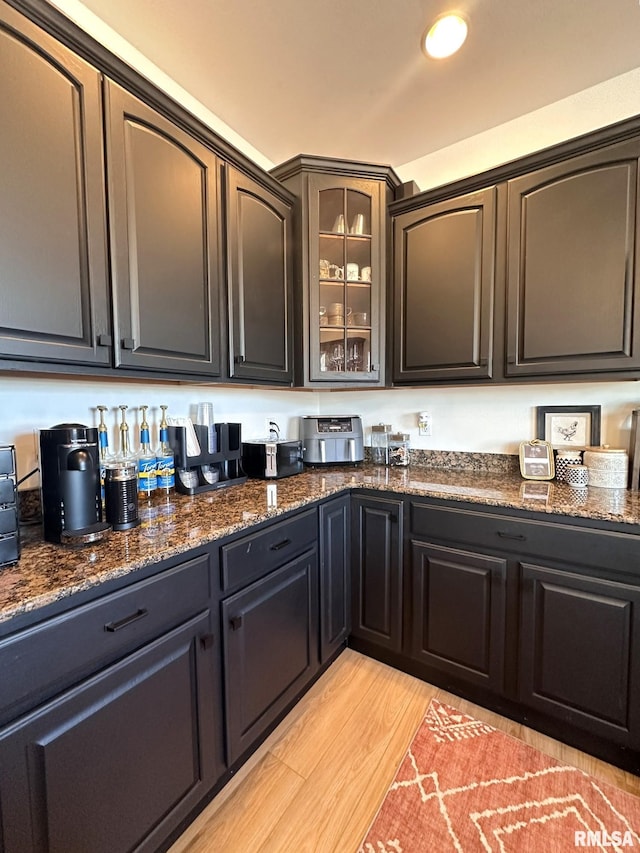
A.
x: 253, y: 556
x: 8, y: 519
x: 40, y: 661
x: 7, y: 491
x: 601, y: 549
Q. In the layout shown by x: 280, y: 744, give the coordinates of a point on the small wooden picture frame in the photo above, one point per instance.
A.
x: 536, y: 460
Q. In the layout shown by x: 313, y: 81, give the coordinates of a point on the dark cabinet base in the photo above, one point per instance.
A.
x: 600, y: 747
x: 269, y: 635
x: 116, y: 762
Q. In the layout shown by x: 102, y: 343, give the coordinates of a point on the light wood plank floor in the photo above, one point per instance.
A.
x: 317, y: 782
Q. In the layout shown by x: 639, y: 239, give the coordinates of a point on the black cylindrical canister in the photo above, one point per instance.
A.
x: 121, y: 494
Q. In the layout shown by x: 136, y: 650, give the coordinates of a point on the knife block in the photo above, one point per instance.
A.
x: 227, y: 460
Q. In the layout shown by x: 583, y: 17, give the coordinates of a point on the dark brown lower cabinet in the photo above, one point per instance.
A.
x: 376, y: 571
x: 270, y: 649
x: 115, y: 763
x: 580, y: 651
x: 459, y: 613
x: 538, y: 620
x: 335, y: 548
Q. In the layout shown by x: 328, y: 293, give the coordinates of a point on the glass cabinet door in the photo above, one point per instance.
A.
x: 343, y: 333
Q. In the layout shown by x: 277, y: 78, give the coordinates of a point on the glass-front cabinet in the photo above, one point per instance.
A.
x: 341, y: 269
x: 341, y: 303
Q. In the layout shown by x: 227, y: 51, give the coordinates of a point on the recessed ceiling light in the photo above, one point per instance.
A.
x: 445, y: 36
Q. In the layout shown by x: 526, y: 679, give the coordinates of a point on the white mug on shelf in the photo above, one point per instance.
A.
x: 353, y: 271
x: 365, y: 274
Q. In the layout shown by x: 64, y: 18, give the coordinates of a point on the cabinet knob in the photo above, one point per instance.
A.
x: 128, y: 343
x: 235, y: 622
x: 239, y: 359
x: 104, y: 341
x: 206, y: 641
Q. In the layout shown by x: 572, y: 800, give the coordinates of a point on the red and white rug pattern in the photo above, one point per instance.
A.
x: 464, y: 787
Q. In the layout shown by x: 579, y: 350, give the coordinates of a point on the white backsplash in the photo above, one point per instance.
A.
x: 483, y: 419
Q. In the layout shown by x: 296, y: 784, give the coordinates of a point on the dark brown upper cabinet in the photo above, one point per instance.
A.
x: 163, y: 204
x: 572, y: 304
x: 259, y: 246
x: 53, y: 268
x: 341, y: 270
x: 444, y: 272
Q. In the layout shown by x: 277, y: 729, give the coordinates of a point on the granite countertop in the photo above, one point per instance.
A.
x: 47, y: 573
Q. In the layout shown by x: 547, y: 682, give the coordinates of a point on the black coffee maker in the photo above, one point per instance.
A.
x: 70, y: 477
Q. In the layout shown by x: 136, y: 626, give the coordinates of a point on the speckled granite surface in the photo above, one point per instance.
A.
x: 47, y: 573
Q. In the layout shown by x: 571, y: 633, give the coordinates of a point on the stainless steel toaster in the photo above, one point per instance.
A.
x: 332, y: 440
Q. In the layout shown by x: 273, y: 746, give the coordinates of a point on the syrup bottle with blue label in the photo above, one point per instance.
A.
x: 147, y: 462
x: 166, y: 466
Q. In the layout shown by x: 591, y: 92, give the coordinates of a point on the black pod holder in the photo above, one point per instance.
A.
x: 227, y: 461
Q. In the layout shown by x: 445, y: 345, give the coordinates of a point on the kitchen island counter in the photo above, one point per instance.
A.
x: 48, y: 573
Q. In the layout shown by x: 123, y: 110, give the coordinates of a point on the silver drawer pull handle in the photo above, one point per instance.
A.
x: 140, y: 613
x: 280, y: 545
x: 517, y: 536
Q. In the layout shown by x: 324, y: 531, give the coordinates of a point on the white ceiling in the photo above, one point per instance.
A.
x: 346, y: 78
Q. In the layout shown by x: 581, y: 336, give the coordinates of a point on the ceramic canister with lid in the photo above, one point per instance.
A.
x: 608, y: 467
x: 564, y: 458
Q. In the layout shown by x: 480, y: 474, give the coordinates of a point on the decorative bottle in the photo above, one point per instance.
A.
x: 166, y: 466
x: 103, y: 444
x: 147, y: 463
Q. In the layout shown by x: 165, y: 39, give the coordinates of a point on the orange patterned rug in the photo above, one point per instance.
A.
x: 464, y: 787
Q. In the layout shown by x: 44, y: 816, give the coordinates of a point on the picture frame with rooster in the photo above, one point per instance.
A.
x: 569, y: 426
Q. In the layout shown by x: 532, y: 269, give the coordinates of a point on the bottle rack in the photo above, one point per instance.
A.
x: 227, y: 460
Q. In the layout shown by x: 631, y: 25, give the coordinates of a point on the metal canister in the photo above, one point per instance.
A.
x: 121, y: 494
x: 608, y: 467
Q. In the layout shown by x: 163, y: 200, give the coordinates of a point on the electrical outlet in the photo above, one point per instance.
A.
x: 271, y: 424
x: 425, y: 424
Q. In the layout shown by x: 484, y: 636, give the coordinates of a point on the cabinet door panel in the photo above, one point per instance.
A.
x: 163, y: 201
x: 346, y: 325
x: 377, y: 572
x: 459, y: 613
x: 53, y: 268
x: 334, y: 575
x: 260, y: 245
x: 118, y: 761
x: 580, y: 647
x: 443, y: 280
x: 573, y: 235
x: 270, y: 647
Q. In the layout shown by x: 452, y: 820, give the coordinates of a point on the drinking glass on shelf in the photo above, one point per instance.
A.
x: 336, y: 360
x: 355, y: 359
x: 338, y: 225
x: 357, y: 224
